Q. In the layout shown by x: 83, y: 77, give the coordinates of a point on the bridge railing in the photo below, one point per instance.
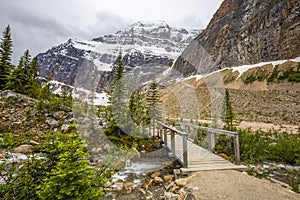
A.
x: 163, y: 135
x: 211, y: 137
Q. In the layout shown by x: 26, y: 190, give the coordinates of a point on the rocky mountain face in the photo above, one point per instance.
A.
x: 244, y: 32
x: 147, y: 49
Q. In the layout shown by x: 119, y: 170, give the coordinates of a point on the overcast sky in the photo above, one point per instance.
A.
x: 38, y: 25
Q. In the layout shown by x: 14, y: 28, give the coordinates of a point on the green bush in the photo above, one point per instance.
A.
x: 259, y: 146
x: 72, y: 177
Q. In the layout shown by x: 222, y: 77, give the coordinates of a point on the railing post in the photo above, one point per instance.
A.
x: 165, y: 136
x: 186, y: 128
x: 211, y: 141
x: 173, y: 142
x: 185, y: 153
x: 237, y: 149
x: 153, y: 127
x: 195, y: 135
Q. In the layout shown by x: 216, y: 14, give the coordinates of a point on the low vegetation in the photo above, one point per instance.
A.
x: 60, y: 172
x: 291, y: 74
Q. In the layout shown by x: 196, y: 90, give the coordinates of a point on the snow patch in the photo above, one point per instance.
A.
x: 167, y: 71
x: 102, y: 66
x: 242, y: 69
x: 100, y: 98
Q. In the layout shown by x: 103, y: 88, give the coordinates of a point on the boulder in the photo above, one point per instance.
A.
x: 170, y: 196
x: 32, y: 142
x: 65, y: 128
x: 158, y: 179
x: 11, y: 95
x: 24, y: 149
x: 59, y: 115
x: 183, y: 181
x: 155, y: 174
x: 52, y: 123
x: 168, y: 178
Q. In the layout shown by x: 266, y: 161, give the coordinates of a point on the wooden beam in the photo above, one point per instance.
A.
x: 185, y: 150
x: 173, y: 142
x: 237, y: 150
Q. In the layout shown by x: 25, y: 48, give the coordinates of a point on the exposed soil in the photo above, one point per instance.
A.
x: 234, y: 185
x: 268, y: 126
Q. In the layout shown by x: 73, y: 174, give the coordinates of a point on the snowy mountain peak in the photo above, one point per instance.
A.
x: 151, y: 24
x: 150, y: 47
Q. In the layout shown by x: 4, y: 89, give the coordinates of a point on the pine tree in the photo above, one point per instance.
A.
x: 229, y: 114
x: 33, y: 84
x: 153, y: 99
x: 24, y: 78
x: 72, y: 178
x: 116, y: 113
x: 20, y: 78
x: 5, y: 57
x: 17, y: 78
x: 138, y: 109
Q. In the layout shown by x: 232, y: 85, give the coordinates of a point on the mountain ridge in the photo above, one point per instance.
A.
x: 244, y: 32
x: 147, y: 47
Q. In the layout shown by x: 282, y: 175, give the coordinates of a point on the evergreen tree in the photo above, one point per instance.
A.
x: 72, y: 178
x: 33, y: 84
x: 20, y: 78
x: 116, y: 113
x: 153, y: 100
x: 5, y: 57
x: 138, y: 109
x: 229, y: 114
x: 17, y: 78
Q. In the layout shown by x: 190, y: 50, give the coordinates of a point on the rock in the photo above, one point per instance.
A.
x: 33, y: 142
x: 24, y: 149
x: 173, y: 188
x: 158, y: 179
x: 58, y: 115
x: 11, y: 94
x: 136, y: 155
x: 170, y: 185
x: 52, y: 123
x: 168, y: 178
x: 170, y: 196
x: 155, y: 174
x: 190, y: 196
x: 148, y: 184
x: 149, y: 195
x: 107, y: 184
x: 183, y: 181
x: 182, y: 194
x: 65, y: 128
x: 111, y: 195
x: 127, y: 188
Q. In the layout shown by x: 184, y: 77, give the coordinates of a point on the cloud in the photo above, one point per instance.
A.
x: 38, y: 32
x: 108, y: 22
x: 189, y: 22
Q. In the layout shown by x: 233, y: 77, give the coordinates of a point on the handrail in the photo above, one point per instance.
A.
x: 172, y: 129
x: 217, y: 131
x: 184, y: 141
x: 211, y: 138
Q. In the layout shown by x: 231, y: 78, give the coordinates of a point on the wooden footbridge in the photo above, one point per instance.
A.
x: 183, y: 145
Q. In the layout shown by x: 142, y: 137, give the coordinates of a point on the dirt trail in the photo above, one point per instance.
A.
x: 234, y: 185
